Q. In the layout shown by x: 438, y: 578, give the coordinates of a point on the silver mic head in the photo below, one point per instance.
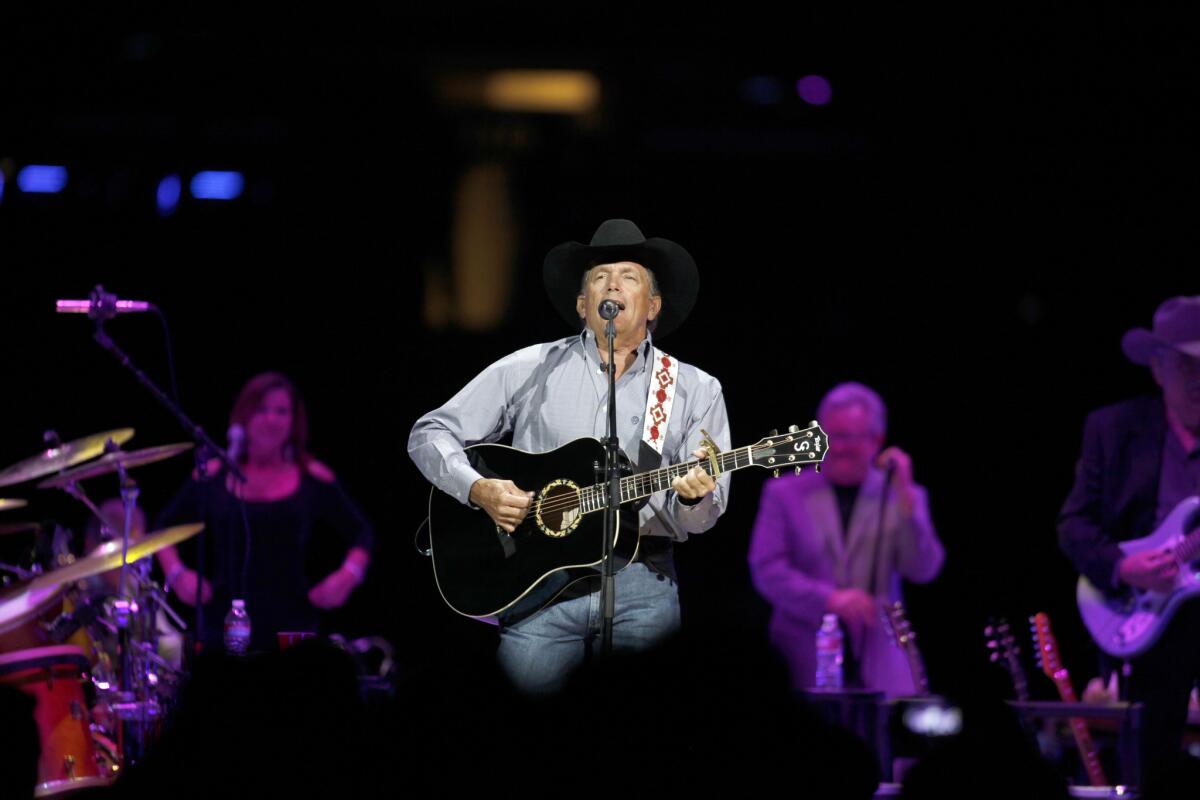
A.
x: 610, y: 308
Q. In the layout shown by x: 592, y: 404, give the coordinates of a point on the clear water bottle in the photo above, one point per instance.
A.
x: 829, y: 653
x: 237, y: 629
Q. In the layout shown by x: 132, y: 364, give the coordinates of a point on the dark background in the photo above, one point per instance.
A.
x: 970, y: 225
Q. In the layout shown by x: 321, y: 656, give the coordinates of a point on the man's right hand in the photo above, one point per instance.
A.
x: 502, y: 500
x: 1155, y: 570
x: 854, y: 607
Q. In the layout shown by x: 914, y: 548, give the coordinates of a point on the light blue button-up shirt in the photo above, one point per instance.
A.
x: 549, y: 394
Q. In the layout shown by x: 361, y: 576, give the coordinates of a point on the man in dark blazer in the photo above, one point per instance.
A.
x: 1140, y: 459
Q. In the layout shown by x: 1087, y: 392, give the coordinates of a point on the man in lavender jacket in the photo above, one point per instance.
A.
x: 840, y: 541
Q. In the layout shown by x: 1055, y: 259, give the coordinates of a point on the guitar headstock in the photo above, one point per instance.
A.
x: 1003, y: 649
x: 796, y: 449
x: 1047, y: 646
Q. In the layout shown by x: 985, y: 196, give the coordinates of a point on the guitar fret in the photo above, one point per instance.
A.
x: 635, y: 487
x: 648, y: 483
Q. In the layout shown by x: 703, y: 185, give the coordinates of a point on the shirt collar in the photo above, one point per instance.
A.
x: 588, y: 342
x: 1188, y: 443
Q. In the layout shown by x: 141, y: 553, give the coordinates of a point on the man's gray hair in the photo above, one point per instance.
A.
x: 852, y: 393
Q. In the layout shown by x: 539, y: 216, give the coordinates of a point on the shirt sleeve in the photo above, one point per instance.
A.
x: 1080, y: 532
x: 710, y: 416
x: 480, y: 412
x: 919, y: 552
x: 184, y: 507
x: 342, y: 514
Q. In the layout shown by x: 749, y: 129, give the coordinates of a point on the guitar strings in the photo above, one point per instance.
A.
x: 572, y: 499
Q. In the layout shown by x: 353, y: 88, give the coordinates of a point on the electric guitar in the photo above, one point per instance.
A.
x: 482, y: 570
x: 1047, y: 649
x: 1127, y: 625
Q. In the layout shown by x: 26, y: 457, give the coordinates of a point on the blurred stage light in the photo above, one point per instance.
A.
x: 557, y: 91
x: 217, y: 185
x: 814, y: 90
x: 525, y: 90
x: 42, y: 179
x: 169, y: 190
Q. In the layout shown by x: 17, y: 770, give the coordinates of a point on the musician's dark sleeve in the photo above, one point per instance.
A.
x: 183, y: 508
x: 1081, y: 534
x: 340, y: 511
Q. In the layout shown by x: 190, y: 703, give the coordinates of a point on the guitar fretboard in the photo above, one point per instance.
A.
x: 644, y: 484
x: 1189, y: 548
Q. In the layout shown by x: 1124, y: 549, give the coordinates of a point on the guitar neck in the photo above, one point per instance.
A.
x: 1079, y: 729
x: 920, y: 679
x: 645, y: 484
x: 907, y: 639
x: 1189, y: 548
x: 1051, y: 665
x: 1020, y: 687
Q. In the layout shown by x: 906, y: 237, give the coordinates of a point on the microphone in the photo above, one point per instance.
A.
x: 103, y: 305
x: 610, y: 308
x: 236, y: 435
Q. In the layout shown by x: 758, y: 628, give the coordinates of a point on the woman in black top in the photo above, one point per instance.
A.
x: 295, y: 511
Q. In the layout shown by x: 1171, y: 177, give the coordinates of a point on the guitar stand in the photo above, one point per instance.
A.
x: 1127, y: 715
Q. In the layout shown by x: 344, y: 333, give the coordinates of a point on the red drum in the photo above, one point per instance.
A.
x: 25, y: 613
x: 54, y: 676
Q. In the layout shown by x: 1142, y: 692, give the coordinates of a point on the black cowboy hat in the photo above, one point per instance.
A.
x: 1176, y: 325
x: 620, y: 240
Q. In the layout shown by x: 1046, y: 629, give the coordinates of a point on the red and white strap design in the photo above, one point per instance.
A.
x: 659, y: 400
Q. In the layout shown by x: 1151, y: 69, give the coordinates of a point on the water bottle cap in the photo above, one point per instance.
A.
x: 239, y: 604
x: 828, y: 619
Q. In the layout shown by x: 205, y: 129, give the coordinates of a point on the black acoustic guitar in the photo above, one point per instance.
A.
x: 482, y: 570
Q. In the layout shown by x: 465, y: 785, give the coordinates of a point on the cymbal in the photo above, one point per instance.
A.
x: 108, y: 555
x: 108, y: 463
x: 53, y: 459
x: 7, y: 503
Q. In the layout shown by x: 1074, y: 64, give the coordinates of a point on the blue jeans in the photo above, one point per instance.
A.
x: 539, y: 652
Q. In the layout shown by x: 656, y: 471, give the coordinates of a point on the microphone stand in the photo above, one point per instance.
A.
x: 612, y: 471
x: 204, y: 442
x: 889, y: 471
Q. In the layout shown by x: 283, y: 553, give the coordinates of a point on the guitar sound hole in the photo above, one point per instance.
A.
x: 558, y: 510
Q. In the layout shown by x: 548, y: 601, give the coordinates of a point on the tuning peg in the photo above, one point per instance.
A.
x: 776, y: 473
x: 773, y: 432
x: 793, y: 428
x: 798, y: 470
x: 818, y: 466
x: 813, y: 424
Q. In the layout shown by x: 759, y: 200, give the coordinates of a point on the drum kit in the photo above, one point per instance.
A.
x: 91, y: 637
